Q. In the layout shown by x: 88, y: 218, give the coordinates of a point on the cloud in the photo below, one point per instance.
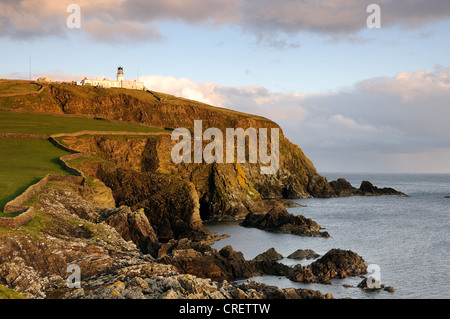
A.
x: 346, y: 124
x: 338, y: 16
x: 121, y: 32
x: 272, y: 22
x: 250, y: 99
x: 218, y: 12
x: 30, y: 19
x: 379, y: 121
x: 183, y: 87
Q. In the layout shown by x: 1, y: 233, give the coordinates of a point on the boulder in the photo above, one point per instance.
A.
x: 203, y: 261
x: 389, y: 289
x: 301, y: 254
x: 134, y: 226
x: 336, y: 263
x: 342, y: 187
x: 280, y: 221
x: 269, y: 255
x: 266, y: 264
x: 375, y: 285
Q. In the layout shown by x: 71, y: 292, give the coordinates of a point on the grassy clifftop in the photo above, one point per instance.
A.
x: 146, y: 107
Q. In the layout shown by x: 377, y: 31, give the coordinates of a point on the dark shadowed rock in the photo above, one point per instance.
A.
x: 375, y: 285
x: 269, y: 255
x: 272, y: 292
x: 170, y: 204
x: 336, y: 263
x: 134, y: 226
x: 266, y: 263
x: 203, y: 261
x: 304, y: 254
x: 302, y: 274
x: 342, y: 187
x: 280, y: 221
x: 389, y: 289
x: 267, y: 267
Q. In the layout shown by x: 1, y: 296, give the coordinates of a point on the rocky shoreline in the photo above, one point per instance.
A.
x: 130, y: 252
x: 120, y: 256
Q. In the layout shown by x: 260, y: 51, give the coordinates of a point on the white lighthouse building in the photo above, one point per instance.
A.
x: 120, y: 83
x: 120, y: 76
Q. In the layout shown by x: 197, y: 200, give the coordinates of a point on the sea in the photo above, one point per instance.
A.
x: 405, y: 240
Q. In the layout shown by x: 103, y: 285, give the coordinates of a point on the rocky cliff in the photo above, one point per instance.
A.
x: 297, y: 176
x: 143, y: 174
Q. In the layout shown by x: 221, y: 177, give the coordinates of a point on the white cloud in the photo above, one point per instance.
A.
x: 203, y: 92
x: 273, y: 22
x: 250, y: 99
x: 121, y: 32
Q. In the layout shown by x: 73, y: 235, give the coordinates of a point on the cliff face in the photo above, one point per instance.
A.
x: 169, y: 203
x: 224, y: 190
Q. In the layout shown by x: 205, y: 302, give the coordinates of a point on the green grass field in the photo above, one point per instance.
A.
x: 39, y: 124
x: 24, y: 162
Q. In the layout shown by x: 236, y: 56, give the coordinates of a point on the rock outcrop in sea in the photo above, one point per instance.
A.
x: 278, y: 220
x: 301, y: 254
x: 336, y: 263
x: 342, y: 187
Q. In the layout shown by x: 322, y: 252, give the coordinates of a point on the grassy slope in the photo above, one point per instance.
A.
x: 24, y: 162
x: 9, y: 87
x: 39, y: 124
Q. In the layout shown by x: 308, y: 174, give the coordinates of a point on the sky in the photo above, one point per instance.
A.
x: 354, y: 98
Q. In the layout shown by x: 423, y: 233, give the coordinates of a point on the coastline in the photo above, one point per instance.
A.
x: 351, y: 228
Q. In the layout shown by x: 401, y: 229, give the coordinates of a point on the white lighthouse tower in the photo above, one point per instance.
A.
x: 120, y: 76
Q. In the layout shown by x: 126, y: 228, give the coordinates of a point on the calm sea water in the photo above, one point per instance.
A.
x: 407, y: 237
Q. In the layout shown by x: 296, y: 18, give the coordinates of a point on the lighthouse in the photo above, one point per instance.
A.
x: 120, y: 77
x: 120, y: 83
